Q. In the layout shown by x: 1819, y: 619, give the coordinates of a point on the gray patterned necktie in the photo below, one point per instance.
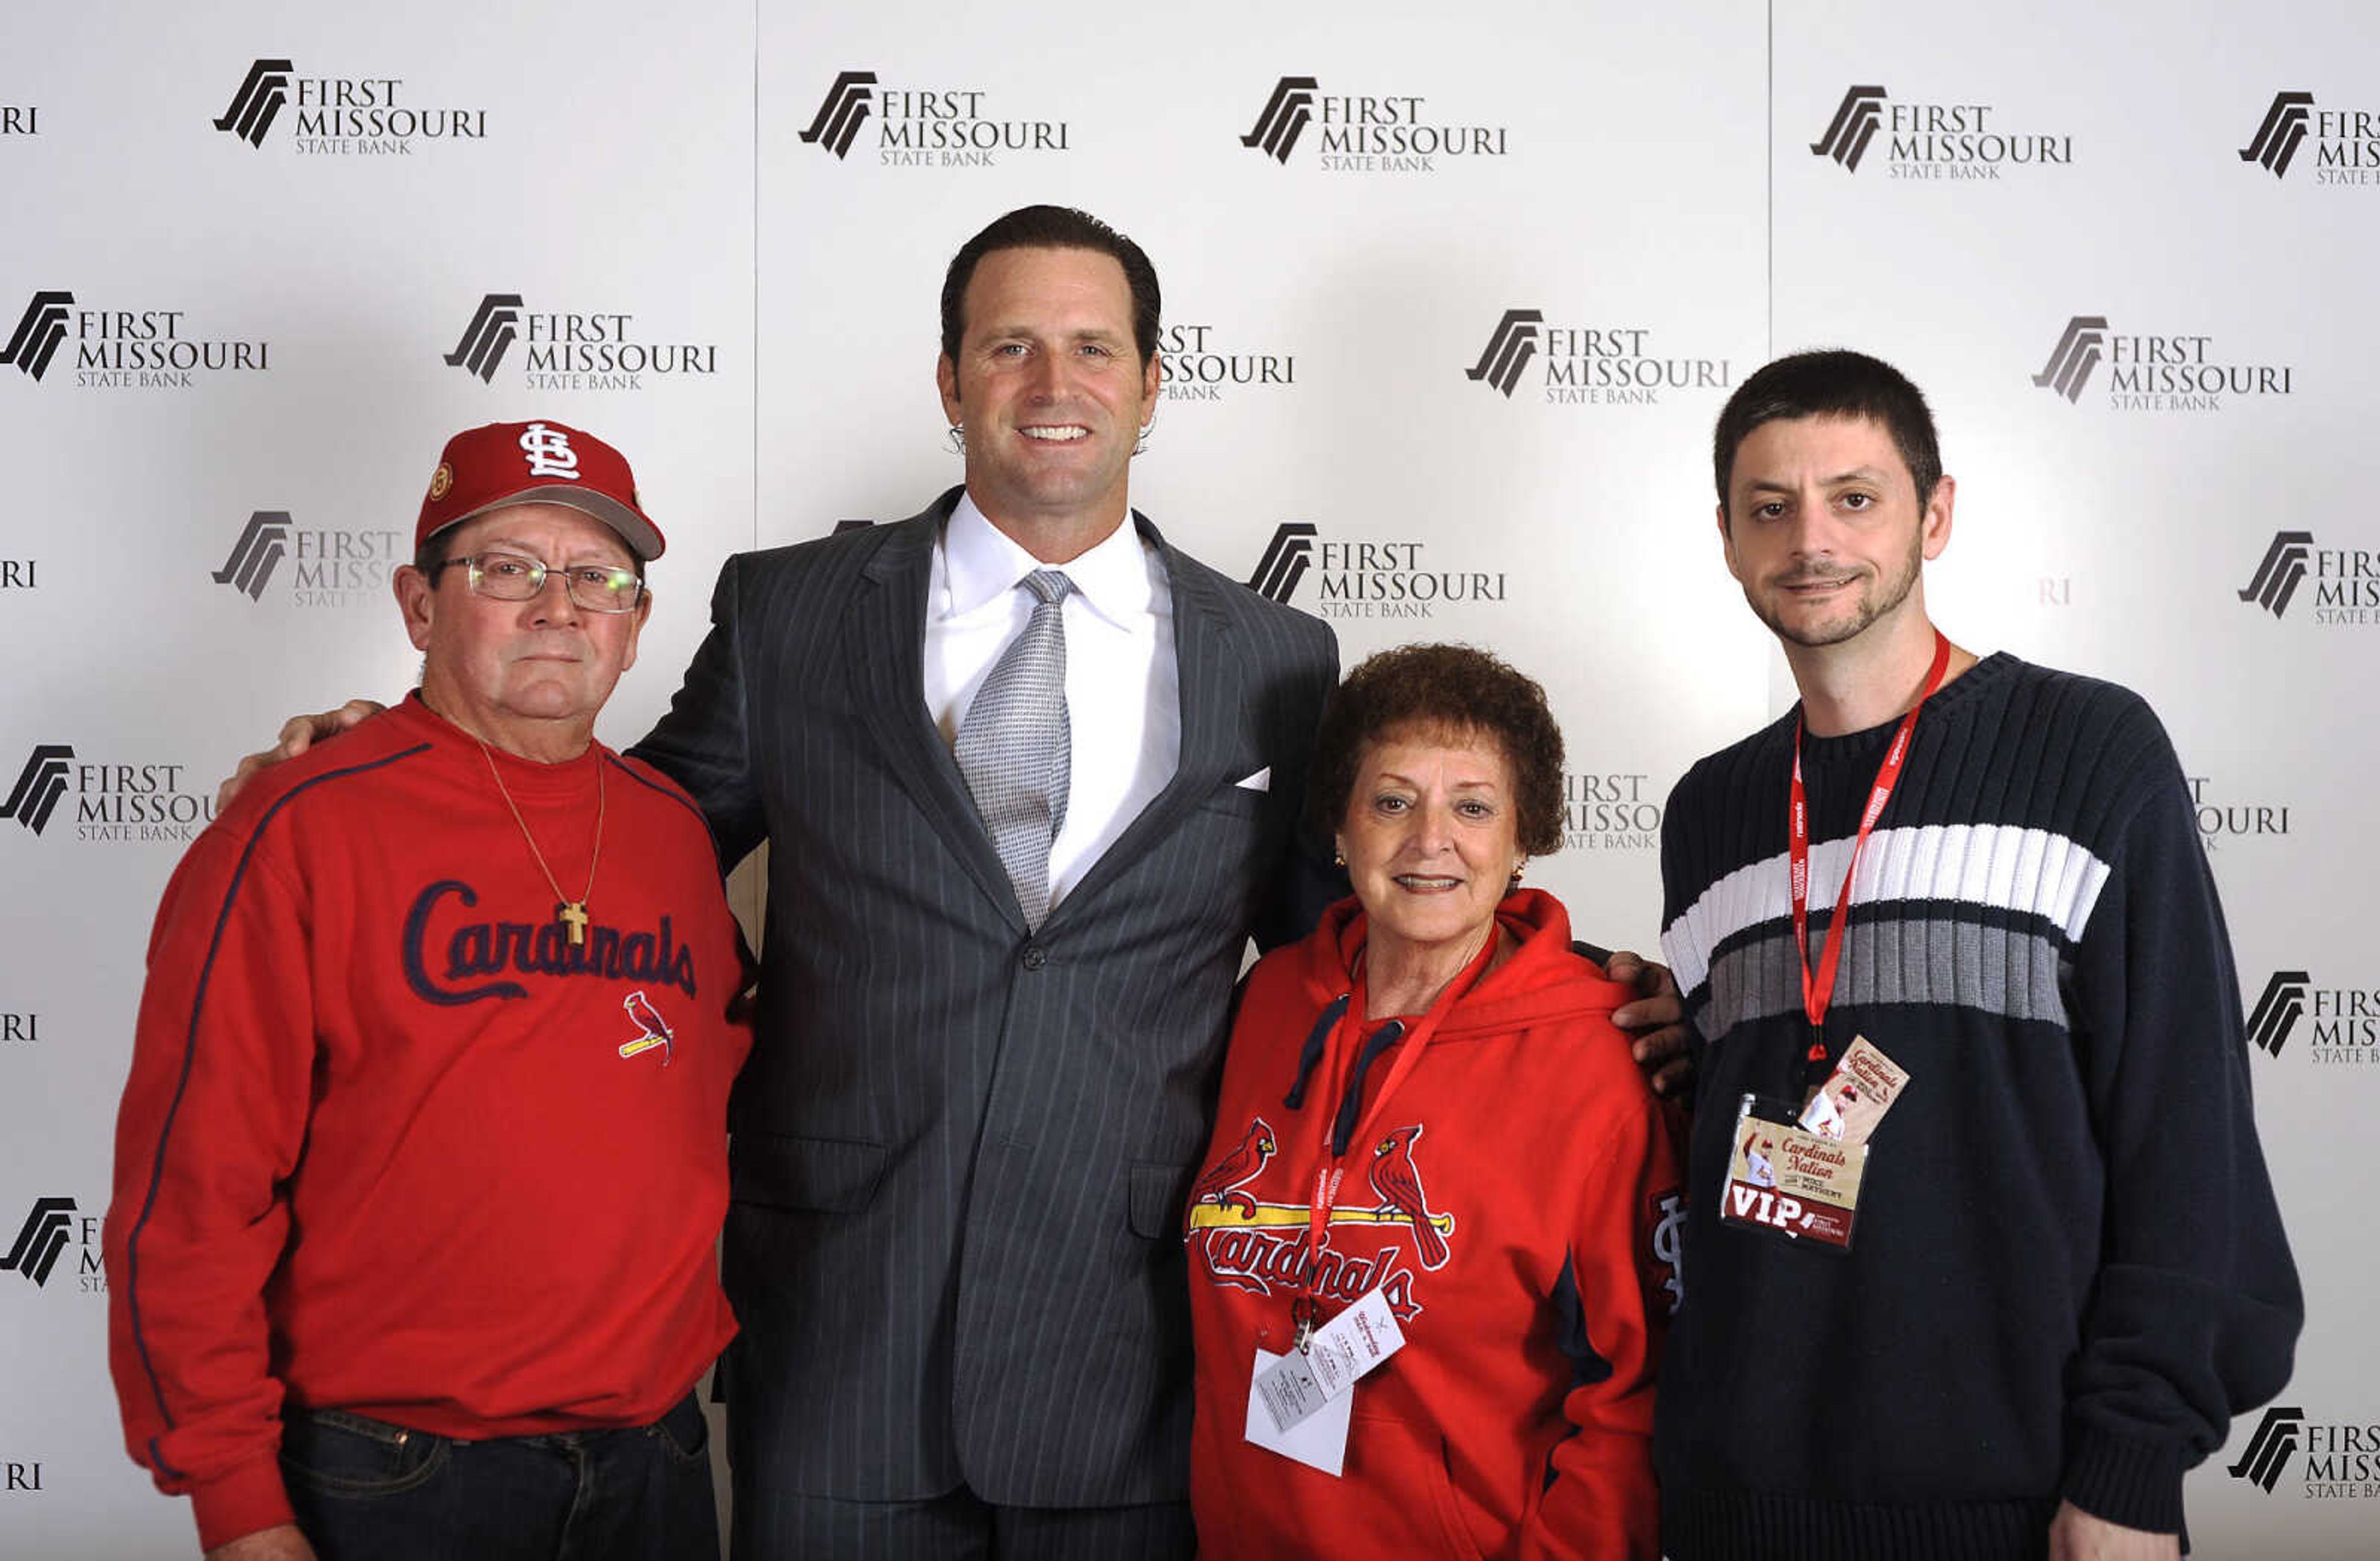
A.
x: 1015, y: 746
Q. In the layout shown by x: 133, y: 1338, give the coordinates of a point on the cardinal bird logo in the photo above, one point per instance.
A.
x: 1221, y: 1184
x: 653, y: 1030
x: 1398, y: 1182
x: 1237, y: 1236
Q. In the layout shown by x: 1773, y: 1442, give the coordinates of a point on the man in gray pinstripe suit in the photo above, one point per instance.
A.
x: 962, y: 1144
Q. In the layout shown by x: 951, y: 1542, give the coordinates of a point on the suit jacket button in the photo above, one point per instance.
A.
x: 1035, y: 956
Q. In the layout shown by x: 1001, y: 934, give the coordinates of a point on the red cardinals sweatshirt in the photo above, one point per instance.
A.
x: 391, y: 1144
x: 1518, y: 1204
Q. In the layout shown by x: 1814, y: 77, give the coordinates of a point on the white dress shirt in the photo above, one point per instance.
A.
x: 1124, y: 689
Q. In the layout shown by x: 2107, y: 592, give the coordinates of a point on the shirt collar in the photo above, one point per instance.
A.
x: 982, y: 563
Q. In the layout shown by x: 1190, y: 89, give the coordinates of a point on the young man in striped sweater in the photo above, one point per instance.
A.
x: 1955, y: 965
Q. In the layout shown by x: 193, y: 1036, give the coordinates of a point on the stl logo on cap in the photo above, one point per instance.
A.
x: 549, y: 451
x: 441, y: 481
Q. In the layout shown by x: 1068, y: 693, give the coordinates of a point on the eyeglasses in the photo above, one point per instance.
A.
x: 508, y: 576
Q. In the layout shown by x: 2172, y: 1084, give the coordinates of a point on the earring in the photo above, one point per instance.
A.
x: 1516, y: 870
x: 1338, y: 858
x: 958, y: 438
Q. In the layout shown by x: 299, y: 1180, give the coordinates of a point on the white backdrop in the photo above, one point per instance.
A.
x: 1614, y: 197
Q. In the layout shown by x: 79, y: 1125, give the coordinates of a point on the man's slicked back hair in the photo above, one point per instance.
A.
x: 1052, y: 228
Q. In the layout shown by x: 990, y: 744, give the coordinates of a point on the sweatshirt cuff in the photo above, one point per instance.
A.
x: 241, y: 1501
x: 2137, y: 1484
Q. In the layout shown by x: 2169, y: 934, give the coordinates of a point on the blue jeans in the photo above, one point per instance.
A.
x: 367, y: 1491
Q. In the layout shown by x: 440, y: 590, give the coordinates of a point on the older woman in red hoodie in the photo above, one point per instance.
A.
x: 1434, y: 1242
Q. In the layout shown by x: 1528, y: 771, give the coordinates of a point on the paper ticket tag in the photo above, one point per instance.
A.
x: 1318, y: 1441
x: 1288, y: 1390
x: 1353, y: 1342
x: 1297, y: 1385
x: 1783, y: 1178
x: 1855, y: 1096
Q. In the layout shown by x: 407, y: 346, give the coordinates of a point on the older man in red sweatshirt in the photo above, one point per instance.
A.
x: 422, y: 1159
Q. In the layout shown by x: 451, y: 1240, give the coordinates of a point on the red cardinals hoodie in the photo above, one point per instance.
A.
x: 1518, y: 1203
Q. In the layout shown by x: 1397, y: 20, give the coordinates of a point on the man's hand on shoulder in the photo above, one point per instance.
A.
x: 297, y: 734
x: 2075, y: 1535
x: 1655, y: 1022
x: 281, y: 1543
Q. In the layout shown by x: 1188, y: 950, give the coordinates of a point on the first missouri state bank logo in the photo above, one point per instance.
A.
x: 1285, y: 117
x: 41, y: 1239
x: 2345, y: 581
x: 1853, y: 126
x: 42, y: 1242
x: 1589, y: 365
x: 572, y: 350
x: 39, y: 331
x: 123, y: 348
x: 2270, y: 1448
x: 2277, y: 1012
x: 1509, y: 348
x: 2075, y: 356
x: 1285, y: 561
x: 2157, y: 370
x: 919, y: 126
x: 341, y: 115
x: 39, y: 785
x: 1368, y: 579
x: 845, y: 109
x: 1366, y: 132
x: 258, y: 102
x: 112, y: 801
x: 2341, y: 1459
x: 2277, y: 140
x: 488, y: 337
x: 1932, y: 141
x: 2342, y: 1022
x: 2345, y: 141
x: 1199, y: 362
x: 257, y: 554
x: 1611, y: 811
x: 334, y: 566
x: 2280, y: 572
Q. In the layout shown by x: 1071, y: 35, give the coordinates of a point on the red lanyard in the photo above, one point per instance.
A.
x: 1818, y: 988
x: 1330, y: 1169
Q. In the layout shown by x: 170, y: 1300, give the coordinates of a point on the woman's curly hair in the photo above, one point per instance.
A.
x: 1456, y: 690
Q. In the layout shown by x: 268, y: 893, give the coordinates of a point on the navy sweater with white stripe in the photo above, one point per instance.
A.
x: 2068, y: 1270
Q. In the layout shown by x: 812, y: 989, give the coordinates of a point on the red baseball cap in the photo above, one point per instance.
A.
x: 541, y: 462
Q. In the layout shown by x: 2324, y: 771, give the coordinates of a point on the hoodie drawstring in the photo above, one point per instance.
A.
x: 1378, y: 1042
x: 1311, y: 1057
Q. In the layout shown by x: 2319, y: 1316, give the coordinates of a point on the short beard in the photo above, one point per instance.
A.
x: 1882, y: 600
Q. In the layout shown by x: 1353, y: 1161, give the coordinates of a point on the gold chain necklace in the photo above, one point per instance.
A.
x: 571, y: 913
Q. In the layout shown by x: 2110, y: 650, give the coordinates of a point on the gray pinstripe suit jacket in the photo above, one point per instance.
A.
x: 960, y: 1150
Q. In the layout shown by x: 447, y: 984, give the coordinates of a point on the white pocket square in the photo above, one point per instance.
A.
x: 1260, y: 781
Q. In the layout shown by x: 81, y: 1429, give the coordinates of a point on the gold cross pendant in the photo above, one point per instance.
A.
x: 573, y: 914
